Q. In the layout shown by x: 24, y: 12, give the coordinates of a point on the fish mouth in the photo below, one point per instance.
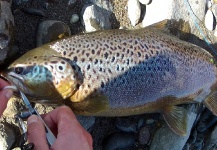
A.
x: 14, y: 75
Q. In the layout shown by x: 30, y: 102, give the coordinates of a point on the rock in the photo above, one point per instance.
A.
x: 165, y: 138
x: 71, y: 3
x: 144, y: 136
x: 7, y: 137
x: 119, y: 141
x: 212, y: 140
x: 176, y: 10
x: 149, y: 121
x: 126, y: 125
x: 145, y: 2
x: 74, y: 18
x: 6, y: 30
x: 86, y: 122
x: 96, y: 18
x: 134, y: 11
x: 140, y: 123
x: 209, y: 20
x: 105, y: 4
x: 51, y: 30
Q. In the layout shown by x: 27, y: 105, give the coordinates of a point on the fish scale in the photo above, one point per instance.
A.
x: 121, y: 73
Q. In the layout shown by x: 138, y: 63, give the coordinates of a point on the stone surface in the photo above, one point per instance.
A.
x: 166, y: 139
x: 74, y: 18
x: 134, y: 11
x: 176, y: 10
x: 126, y: 125
x: 96, y: 18
x: 145, y: 2
x: 212, y: 140
x: 86, y: 122
x: 144, y: 135
x: 6, y: 30
x: 51, y: 30
x: 7, y: 137
x: 119, y: 141
x: 209, y: 20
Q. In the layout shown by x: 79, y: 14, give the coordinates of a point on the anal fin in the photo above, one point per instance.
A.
x: 176, y: 118
x: 211, y: 103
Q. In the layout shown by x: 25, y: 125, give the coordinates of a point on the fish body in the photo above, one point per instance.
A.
x: 119, y: 73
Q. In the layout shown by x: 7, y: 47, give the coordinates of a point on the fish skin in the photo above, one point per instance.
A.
x: 128, y: 72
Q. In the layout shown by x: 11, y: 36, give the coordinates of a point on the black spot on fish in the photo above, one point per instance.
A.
x: 35, y: 57
x: 60, y: 68
x: 113, y: 59
x: 75, y: 58
x: 87, y: 54
x: 106, y: 45
x: 117, y: 68
x: 82, y: 59
x: 106, y: 55
x: 146, y: 56
x: 88, y: 67
x: 62, y: 62
x: 117, y: 54
x: 100, y: 69
x: 54, y: 62
x: 96, y: 61
x: 77, y: 86
x: 139, y: 54
x: 102, y: 85
x: 146, y: 46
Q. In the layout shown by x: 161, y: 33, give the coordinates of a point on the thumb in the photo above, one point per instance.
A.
x: 36, y: 133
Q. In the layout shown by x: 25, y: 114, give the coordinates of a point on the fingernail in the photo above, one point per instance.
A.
x: 9, y: 94
x: 32, y: 119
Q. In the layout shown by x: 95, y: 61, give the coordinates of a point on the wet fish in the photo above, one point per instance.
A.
x: 119, y: 73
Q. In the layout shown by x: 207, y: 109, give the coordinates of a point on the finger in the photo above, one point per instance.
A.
x: 70, y: 132
x: 5, y: 95
x: 3, y: 83
x: 36, y: 133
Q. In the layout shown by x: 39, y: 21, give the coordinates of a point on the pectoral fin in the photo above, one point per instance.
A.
x: 90, y: 106
x: 211, y: 103
x: 176, y: 118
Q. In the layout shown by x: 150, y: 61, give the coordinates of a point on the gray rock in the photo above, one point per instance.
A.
x: 71, y: 3
x: 209, y: 20
x: 119, y: 141
x: 145, y: 2
x: 74, y: 18
x: 144, y: 135
x: 105, y: 4
x: 6, y: 30
x: 212, y: 140
x: 96, y: 18
x: 86, y: 122
x: 134, y: 11
x: 7, y: 137
x: 51, y: 30
x: 126, y: 125
x: 165, y: 138
x: 176, y: 10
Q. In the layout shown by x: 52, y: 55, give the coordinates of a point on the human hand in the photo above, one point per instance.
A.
x: 5, y: 95
x: 63, y: 123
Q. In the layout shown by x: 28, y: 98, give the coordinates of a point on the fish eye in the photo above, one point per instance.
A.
x: 18, y: 70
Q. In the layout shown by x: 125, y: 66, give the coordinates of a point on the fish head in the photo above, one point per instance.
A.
x: 44, y: 77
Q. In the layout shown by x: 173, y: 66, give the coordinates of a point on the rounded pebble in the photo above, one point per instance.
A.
x: 74, y: 18
x: 145, y: 2
x: 119, y: 141
x: 149, y: 121
x: 209, y: 20
x: 126, y: 125
x: 134, y: 11
x: 144, y: 136
x: 51, y: 30
x: 7, y: 137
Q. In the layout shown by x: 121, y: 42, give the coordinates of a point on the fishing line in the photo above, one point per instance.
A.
x: 198, y: 27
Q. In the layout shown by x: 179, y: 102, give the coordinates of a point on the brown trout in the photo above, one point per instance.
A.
x: 119, y: 73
